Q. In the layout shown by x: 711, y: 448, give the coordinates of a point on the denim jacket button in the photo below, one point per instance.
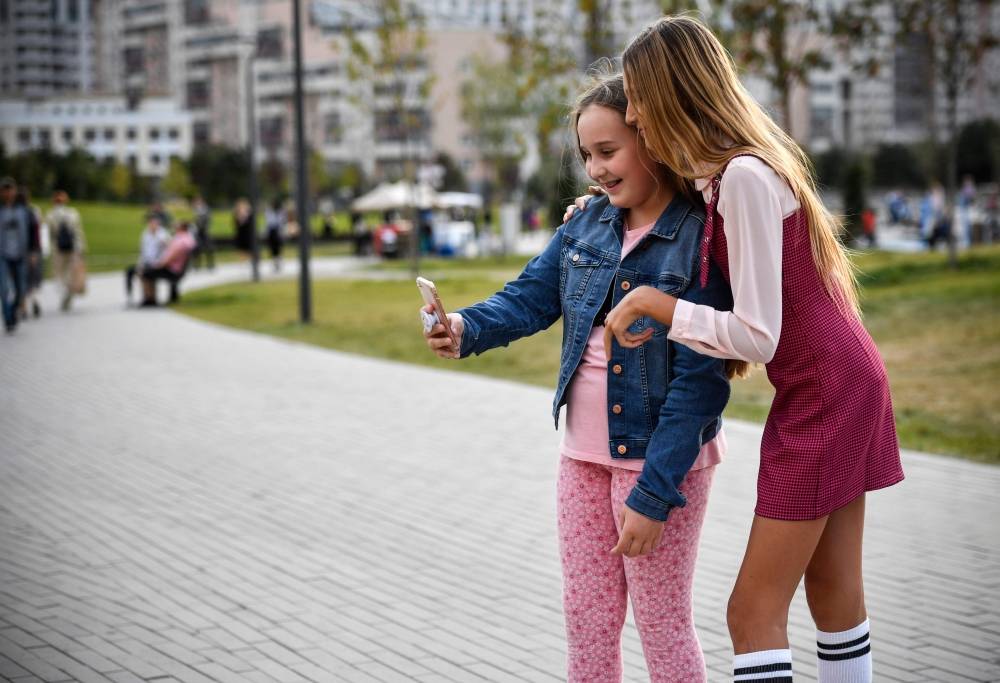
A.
x: 626, y: 285
x: 617, y: 369
x: 576, y: 257
x: 622, y: 450
x: 617, y: 410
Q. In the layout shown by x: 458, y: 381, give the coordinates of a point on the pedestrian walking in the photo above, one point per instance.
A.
x: 69, y: 244
x: 244, y: 224
x: 643, y: 427
x: 830, y: 434
x: 869, y: 224
x: 34, y: 264
x: 275, y: 220
x: 203, y: 234
x: 15, y: 240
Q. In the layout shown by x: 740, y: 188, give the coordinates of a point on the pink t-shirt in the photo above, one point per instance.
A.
x: 586, y: 436
x: 178, y: 250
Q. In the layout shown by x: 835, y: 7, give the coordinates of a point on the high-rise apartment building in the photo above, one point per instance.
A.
x: 50, y: 47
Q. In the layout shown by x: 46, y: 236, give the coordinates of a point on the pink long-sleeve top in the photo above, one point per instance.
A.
x: 586, y: 436
x: 753, y: 201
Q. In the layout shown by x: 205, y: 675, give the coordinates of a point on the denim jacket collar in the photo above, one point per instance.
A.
x: 667, y: 224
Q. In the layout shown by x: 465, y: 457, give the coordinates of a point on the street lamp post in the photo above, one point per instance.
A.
x: 301, y: 180
x: 253, y: 190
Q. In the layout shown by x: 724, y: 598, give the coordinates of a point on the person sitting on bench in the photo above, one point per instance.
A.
x: 171, y: 266
x: 152, y: 246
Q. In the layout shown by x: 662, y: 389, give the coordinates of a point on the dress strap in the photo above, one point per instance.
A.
x: 710, y: 213
x: 709, y: 232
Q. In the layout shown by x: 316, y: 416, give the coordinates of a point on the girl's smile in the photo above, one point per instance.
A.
x: 618, y: 161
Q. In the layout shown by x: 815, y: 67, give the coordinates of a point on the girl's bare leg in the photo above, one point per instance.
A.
x: 778, y: 553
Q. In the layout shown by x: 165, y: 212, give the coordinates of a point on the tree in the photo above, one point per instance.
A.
x: 494, y: 111
x: 954, y: 36
x: 120, y: 181
x: 388, y: 52
x: 177, y: 182
x: 320, y: 180
x: 453, y: 179
x: 219, y: 173
x: 771, y: 38
x: 958, y: 38
x: 979, y: 150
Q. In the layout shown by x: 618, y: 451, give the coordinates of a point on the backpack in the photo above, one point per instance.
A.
x: 65, y: 239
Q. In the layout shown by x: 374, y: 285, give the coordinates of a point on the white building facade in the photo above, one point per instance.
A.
x: 145, y: 138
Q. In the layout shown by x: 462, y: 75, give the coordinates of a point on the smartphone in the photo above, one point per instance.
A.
x: 430, y: 294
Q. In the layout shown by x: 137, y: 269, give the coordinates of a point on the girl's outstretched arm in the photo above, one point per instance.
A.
x: 523, y: 307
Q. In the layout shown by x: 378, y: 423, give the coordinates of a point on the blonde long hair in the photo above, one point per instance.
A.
x: 697, y: 116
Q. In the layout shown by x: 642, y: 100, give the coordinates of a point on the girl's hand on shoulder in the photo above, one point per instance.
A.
x: 581, y: 202
x: 437, y: 337
x: 639, y: 535
x: 641, y: 301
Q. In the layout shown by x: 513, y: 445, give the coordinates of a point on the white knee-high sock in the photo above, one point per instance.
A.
x: 765, y: 666
x: 845, y: 657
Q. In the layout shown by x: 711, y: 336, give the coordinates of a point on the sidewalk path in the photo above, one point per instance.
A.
x: 183, y: 502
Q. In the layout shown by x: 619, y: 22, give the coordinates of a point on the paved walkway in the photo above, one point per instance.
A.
x: 183, y: 502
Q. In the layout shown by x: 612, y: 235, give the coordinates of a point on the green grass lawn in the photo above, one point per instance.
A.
x: 113, y: 232
x: 938, y: 330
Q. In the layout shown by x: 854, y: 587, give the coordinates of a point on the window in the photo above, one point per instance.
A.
x: 130, y: 134
x: 821, y: 123
x: 196, y: 12
x: 154, y: 133
x: 90, y: 135
x: 198, y: 95
x: 270, y: 43
x: 45, y: 137
x: 272, y: 131
x: 202, y: 133
x: 173, y: 133
x: 109, y: 134
x: 67, y: 135
x: 912, y: 83
x: 395, y: 126
x: 24, y: 135
x: 132, y: 161
x: 154, y: 159
x: 333, y: 131
x: 134, y: 60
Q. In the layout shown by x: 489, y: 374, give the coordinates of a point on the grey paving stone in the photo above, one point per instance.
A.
x: 183, y: 502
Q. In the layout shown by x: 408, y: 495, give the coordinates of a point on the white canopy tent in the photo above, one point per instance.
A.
x: 400, y: 195
x: 450, y: 200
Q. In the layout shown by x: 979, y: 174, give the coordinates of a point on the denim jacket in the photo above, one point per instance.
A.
x: 671, y: 397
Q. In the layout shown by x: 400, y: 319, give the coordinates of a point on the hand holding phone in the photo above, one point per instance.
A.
x: 432, y: 314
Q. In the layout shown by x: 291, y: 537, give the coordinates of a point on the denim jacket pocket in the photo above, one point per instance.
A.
x: 578, y: 264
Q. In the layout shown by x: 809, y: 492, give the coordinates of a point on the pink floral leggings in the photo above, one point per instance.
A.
x: 596, y: 583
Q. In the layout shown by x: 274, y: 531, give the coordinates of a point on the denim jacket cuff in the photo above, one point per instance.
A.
x: 470, y: 336
x: 647, y: 505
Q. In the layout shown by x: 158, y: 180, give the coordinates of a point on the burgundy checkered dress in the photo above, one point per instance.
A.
x: 830, y: 435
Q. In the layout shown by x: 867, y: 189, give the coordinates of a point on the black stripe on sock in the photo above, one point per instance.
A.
x: 845, y: 655
x: 769, y: 679
x: 763, y: 668
x: 842, y: 646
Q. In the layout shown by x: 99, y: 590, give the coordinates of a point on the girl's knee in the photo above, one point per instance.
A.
x: 751, y: 616
x: 836, y: 603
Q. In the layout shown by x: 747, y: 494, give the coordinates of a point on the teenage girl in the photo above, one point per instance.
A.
x: 642, y: 425
x: 829, y: 436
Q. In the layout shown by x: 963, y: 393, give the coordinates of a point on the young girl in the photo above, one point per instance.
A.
x: 829, y: 436
x: 643, y: 428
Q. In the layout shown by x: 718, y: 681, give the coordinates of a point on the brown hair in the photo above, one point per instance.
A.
x: 697, y: 116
